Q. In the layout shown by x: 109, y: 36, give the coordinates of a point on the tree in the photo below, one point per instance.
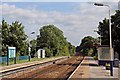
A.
x: 115, y: 25
x: 5, y: 36
x: 104, y: 30
x: 116, y: 31
x: 52, y: 39
x: 13, y: 35
x: 86, y: 46
x: 33, y: 47
x: 71, y: 48
x: 17, y: 35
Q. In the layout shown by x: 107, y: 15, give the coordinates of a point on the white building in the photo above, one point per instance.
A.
x: 41, y: 53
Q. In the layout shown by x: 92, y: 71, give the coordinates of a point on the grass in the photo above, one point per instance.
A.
x: 24, y: 61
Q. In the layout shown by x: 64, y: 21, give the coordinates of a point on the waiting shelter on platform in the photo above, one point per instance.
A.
x: 41, y: 53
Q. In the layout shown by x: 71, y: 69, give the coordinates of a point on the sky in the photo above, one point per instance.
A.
x: 76, y: 19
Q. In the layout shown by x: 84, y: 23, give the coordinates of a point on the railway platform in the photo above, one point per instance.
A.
x: 90, y: 70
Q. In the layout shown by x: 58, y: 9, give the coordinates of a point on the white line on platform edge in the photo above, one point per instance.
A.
x: 75, y: 69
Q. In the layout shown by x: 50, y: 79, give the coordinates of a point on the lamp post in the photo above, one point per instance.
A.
x: 29, y: 49
x: 111, y: 50
x: 100, y: 36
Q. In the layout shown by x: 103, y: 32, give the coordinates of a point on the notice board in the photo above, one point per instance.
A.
x: 104, y: 53
x: 11, y: 52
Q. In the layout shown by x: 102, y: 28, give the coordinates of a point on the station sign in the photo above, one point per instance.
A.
x: 11, y: 52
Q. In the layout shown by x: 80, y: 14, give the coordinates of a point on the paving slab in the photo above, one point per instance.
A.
x: 89, y: 69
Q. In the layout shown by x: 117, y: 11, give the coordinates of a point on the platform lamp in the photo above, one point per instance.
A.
x: 111, y: 50
x: 29, y: 47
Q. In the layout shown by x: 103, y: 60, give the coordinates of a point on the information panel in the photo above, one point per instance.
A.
x: 104, y: 53
x: 11, y: 52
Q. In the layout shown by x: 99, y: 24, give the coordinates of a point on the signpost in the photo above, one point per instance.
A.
x: 29, y: 49
x: 11, y: 54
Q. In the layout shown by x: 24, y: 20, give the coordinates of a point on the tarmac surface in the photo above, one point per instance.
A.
x: 89, y: 69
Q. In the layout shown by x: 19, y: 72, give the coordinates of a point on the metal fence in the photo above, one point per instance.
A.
x: 23, y: 57
x: 4, y: 59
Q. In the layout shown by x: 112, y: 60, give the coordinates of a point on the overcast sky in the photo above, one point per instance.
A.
x: 76, y: 19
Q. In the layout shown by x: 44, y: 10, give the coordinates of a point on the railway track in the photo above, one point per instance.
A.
x: 11, y: 72
x: 58, y: 70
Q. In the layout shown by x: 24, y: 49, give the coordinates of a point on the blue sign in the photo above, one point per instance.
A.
x: 11, y: 52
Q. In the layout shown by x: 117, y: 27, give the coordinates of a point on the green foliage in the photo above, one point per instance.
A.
x: 115, y: 25
x: 104, y: 30
x: 52, y: 39
x: 47, y: 52
x: 66, y: 51
x: 33, y: 44
x: 13, y: 35
x: 71, y: 49
x: 86, y: 45
x: 95, y: 58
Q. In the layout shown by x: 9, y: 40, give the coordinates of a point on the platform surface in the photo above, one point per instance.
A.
x: 89, y: 69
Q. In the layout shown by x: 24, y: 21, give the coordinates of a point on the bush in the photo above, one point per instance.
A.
x: 48, y: 53
x: 95, y: 58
